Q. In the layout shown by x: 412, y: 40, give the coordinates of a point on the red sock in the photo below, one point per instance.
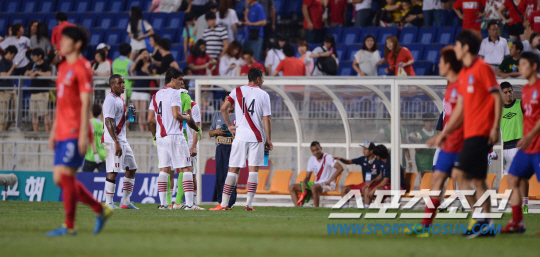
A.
x: 70, y: 198
x: 517, y: 214
x: 428, y: 221
x: 84, y: 196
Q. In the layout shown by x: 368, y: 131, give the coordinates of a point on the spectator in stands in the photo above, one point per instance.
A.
x: 338, y: 13
x: 532, y: 45
x: 290, y: 66
x: 41, y: 40
x: 122, y: 65
x: 398, y: 57
x: 167, y: 6
x: 190, y: 82
x: 231, y: 61
x: 392, y: 13
x: 363, y: 12
x: 424, y: 157
x: 516, y: 18
x: 95, y: 155
x: 313, y: 21
x: 23, y: 45
x: 305, y: 54
x: 433, y: 13
x: 510, y: 65
x: 199, y: 61
x: 139, y: 29
x: 189, y: 33
x: 494, y: 48
x: 200, y: 7
x: 255, y: 22
x: 101, y: 68
x: 491, y: 12
x: 156, y: 56
x: 106, y: 49
x: 56, y: 35
x: 275, y: 55
x: 201, y: 23
x: 471, y: 12
x: 328, y: 49
x: 534, y: 20
x: 249, y: 62
x: 414, y: 15
x: 270, y: 27
x: 366, y: 59
x: 167, y: 60
x: 215, y: 36
x: 39, y: 99
x: 226, y: 17
x: 141, y: 98
x: 7, y: 97
x: 32, y: 28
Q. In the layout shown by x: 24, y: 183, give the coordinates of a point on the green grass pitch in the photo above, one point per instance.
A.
x: 269, y: 231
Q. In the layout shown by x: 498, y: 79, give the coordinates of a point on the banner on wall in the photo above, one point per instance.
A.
x: 31, y: 186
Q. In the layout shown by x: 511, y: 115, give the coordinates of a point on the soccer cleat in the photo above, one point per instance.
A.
x: 514, y: 228
x: 106, y: 213
x: 469, y: 234
x: 62, y: 231
x: 164, y: 207
x: 113, y: 206
x: 413, y: 232
x: 194, y: 208
x: 129, y: 206
x: 179, y: 206
x: 219, y: 208
x: 301, y: 198
x: 525, y: 209
x: 248, y: 208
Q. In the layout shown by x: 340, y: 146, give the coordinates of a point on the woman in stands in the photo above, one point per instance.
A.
x: 367, y: 59
x: 32, y: 28
x: 516, y: 12
x: 327, y: 49
x: 142, y: 67
x: 226, y: 17
x: 156, y: 56
x: 102, y: 68
x: 231, y: 61
x: 397, y: 57
x: 303, y: 50
x: 199, y: 61
x: 138, y: 29
x: 41, y: 40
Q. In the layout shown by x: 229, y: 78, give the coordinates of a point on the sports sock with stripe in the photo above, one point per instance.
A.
x: 163, y: 177
x: 252, y: 187
x: 127, y: 190
x: 110, y: 188
x: 187, y: 182
x: 230, y: 183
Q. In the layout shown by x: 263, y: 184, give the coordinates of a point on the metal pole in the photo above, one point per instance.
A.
x: 18, y: 111
x: 395, y: 140
x: 198, y: 100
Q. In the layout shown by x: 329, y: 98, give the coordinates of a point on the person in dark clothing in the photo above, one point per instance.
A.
x: 414, y: 15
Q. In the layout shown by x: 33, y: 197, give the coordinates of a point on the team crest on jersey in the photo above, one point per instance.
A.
x: 470, y: 87
x: 374, y: 166
x: 67, y: 79
x: 534, y: 97
x: 453, y: 95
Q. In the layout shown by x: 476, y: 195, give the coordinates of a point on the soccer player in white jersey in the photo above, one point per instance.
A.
x: 119, y: 156
x: 252, y: 135
x: 165, y: 111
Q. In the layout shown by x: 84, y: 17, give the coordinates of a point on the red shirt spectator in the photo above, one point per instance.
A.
x: 531, y: 7
x: 245, y: 68
x: 291, y: 66
x: 197, y: 61
x: 534, y: 20
x: 315, y: 9
x: 470, y: 10
x: 404, y: 56
x: 513, y: 13
x: 56, y: 34
x: 337, y: 10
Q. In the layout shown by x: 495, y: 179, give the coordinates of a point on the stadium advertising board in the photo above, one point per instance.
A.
x: 31, y: 186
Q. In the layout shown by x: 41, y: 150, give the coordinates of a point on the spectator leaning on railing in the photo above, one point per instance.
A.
x: 7, y: 97
x: 398, y: 58
x: 510, y: 65
x: 494, y: 48
x: 367, y: 59
x: 39, y: 100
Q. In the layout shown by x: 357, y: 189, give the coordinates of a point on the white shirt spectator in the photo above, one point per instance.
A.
x: 366, y: 4
x: 230, y: 19
x: 225, y: 62
x: 167, y: 6
x: 309, y: 62
x: 137, y: 45
x: 102, y: 68
x: 428, y: 5
x: 214, y: 40
x: 494, y: 52
x: 22, y: 44
x: 367, y: 61
x: 273, y: 58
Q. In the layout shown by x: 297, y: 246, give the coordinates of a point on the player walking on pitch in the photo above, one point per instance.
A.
x: 69, y: 138
x: 252, y: 108
x: 120, y: 157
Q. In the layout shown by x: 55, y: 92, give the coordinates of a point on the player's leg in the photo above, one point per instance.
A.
x: 294, y: 189
x: 316, y: 191
x: 227, y: 156
x: 522, y: 168
x: 180, y: 191
x: 237, y: 161
x: 165, y: 164
x: 182, y: 159
x: 525, y: 195
x: 129, y: 163
x: 110, y: 188
x: 345, y: 190
x: 112, y: 163
x: 255, y: 159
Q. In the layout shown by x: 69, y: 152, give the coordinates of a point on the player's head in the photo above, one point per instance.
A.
x: 368, y: 147
x: 174, y: 78
x: 96, y: 110
x: 116, y: 82
x: 448, y: 62
x: 528, y: 64
x: 381, y: 152
x: 255, y: 77
x: 508, y: 92
x: 37, y: 54
x: 210, y: 18
x: 11, y: 51
x: 467, y: 42
x: 428, y: 120
x: 288, y: 50
x: 61, y: 17
x: 124, y: 49
x: 74, y: 40
x: 316, y: 149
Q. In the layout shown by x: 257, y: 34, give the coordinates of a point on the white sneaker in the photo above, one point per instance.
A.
x: 194, y: 207
x: 113, y: 206
x: 179, y: 206
x: 164, y: 207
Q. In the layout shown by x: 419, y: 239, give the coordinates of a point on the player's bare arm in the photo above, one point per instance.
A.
x: 306, y: 180
x: 52, y: 142
x: 339, y: 170
x: 268, y: 129
x: 193, y: 149
x: 191, y: 122
x: 345, y: 161
x: 177, y: 114
x: 494, y: 133
x: 83, y: 131
x: 152, y: 121
x: 226, y: 117
x: 217, y: 132
x: 526, y: 140
x: 455, y: 121
x: 111, y: 126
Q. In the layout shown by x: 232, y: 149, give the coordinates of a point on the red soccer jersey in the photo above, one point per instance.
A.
x: 315, y: 10
x: 245, y: 68
x: 513, y: 13
x: 531, y: 114
x: 73, y: 79
x: 470, y: 9
x: 534, y: 20
x: 454, y: 142
x: 475, y: 86
x: 530, y: 7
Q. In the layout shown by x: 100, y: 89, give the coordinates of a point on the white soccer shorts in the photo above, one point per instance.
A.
x: 252, y: 151
x: 114, y: 163
x: 173, y: 152
x: 328, y: 188
x: 508, y: 156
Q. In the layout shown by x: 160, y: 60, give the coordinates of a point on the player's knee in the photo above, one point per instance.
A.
x: 513, y: 181
x: 292, y: 187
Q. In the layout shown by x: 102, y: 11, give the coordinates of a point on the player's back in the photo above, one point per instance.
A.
x: 251, y: 105
x: 454, y: 142
x: 162, y: 103
x: 531, y: 107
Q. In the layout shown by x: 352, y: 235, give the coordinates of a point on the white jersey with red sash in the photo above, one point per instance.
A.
x: 323, y: 169
x: 162, y: 103
x: 251, y: 105
x: 114, y: 108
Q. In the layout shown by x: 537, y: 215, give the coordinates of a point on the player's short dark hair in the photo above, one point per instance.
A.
x: 470, y: 38
x: 210, y: 15
x: 113, y: 78
x: 519, y: 46
x: 248, y: 52
x: 15, y: 28
x: 288, y: 50
x: 506, y: 85
x: 254, y: 74
x: 532, y: 58
x: 124, y: 49
x: 77, y: 33
x: 61, y: 16
x: 96, y: 110
x: 172, y: 73
x: 491, y: 23
x: 315, y: 143
x: 449, y: 56
x: 12, y: 49
x: 165, y: 43
x: 381, y: 151
x: 38, y: 51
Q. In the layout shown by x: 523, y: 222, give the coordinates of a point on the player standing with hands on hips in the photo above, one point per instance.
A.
x: 252, y: 108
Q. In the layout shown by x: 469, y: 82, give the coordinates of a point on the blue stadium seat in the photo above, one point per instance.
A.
x: 29, y: 6
x: 453, y: 20
x: 417, y: 50
x: 4, y: 23
x: 73, y: 17
x: 65, y: 6
x: 445, y: 35
x: 336, y: 31
x: 82, y: 6
x: 158, y: 20
x: 113, y: 37
x: 88, y: 21
x: 12, y: 6
x: 122, y: 22
x: 427, y: 35
x: 18, y: 18
x: 100, y: 6
x: 423, y: 68
x: 278, y: 6
x: 369, y: 31
x: 146, y: 5
x: 380, y: 70
x: 408, y: 35
x: 175, y: 53
x: 131, y: 3
x: 176, y: 20
x: 386, y: 32
x: 114, y: 52
x: 381, y: 51
x: 432, y: 53
x: 170, y: 34
x: 342, y: 52
x: 90, y: 52
x: 105, y: 21
x: 51, y: 22
x: 351, y: 35
x: 345, y: 69
x: 47, y: 6
x: 116, y: 6
x: 96, y: 37
x: 352, y: 52
x: 313, y: 46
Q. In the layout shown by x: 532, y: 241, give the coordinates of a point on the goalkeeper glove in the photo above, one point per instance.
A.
x: 154, y: 139
x: 199, y: 134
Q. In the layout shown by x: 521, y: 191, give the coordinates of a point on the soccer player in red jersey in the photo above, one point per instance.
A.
x: 480, y: 98
x: 526, y: 161
x: 70, y: 132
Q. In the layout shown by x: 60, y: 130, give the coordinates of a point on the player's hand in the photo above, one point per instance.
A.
x: 52, y: 142
x: 493, y: 136
x: 524, y: 142
x: 186, y: 117
x: 199, y: 134
x: 83, y: 145
x: 431, y: 141
x: 310, y: 26
x: 338, y: 158
x: 117, y: 149
x: 232, y: 129
x: 193, y: 151
x: 440, y: 140
x: 268, y: 145
x: 96, y: 157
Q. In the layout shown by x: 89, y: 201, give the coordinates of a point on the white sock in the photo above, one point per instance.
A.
x: 230, y: 183
x: 346, y: 204
x: 162, y: 187
x: 195, y: 197
x: 187, y: 182
x: 127, y: 190
x: 366, y: 206
x: 252, y: 187
x: 110, y: 188
x: 525, y: 201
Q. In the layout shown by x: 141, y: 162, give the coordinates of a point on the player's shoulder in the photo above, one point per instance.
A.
x: 329, y: 157
x: 312, y: 159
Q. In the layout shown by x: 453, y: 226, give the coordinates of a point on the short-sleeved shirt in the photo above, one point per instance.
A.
x: 386, y: 171
x: 22, y: 44
x: 245, y: 68
x: 368, y: 166
x: 166, y: 63
x: 531, y: 115
x: 475, y: 86
x: 256, y: 13
x: 44, y: 67
x: 292, y: 66
x: 534, y: 20
x: 470, y: 9
x: 43, y: 43
x: 230, y: 19
x: 323, y: 168
x: 454, y: 141
x: 56, y: 34
x: 73, y: 79
x: 273, y: 58
x: 191, y: 33
x: 192, y: 59
x: 513, y: 13
x: 162, y: 103
x: 403, y: 56
x: 251, y: 104
x: 509, y: 65
x: 186, y: 100
x: 337, y: 8
x: 5, y: 66
x: 315, y: 10
x: 115, y: 108
x: 218, y: 121
x: 214, y: 40
x: 530, y: 6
